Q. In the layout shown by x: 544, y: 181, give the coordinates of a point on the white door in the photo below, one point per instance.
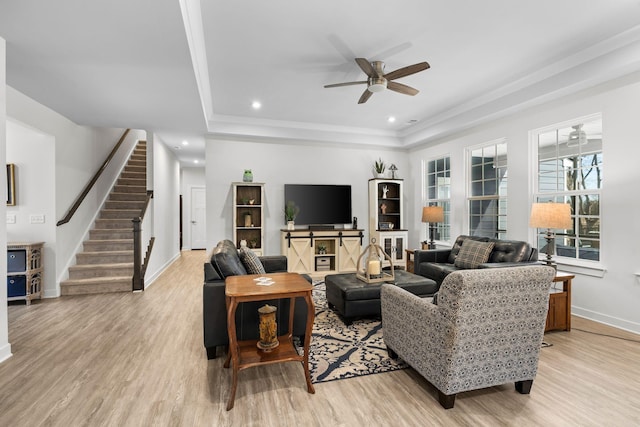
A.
x: 198, y: 218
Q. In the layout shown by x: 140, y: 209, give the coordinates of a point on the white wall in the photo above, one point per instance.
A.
x: 5, y: 347
x: 79, y: 153
x: 277, y: 164
x: 190, y: 178
x: 614, y: 297
x: 164, y: 208
x: 31, y: 152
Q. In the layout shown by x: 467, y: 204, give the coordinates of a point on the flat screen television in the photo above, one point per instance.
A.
x: 320, y: 204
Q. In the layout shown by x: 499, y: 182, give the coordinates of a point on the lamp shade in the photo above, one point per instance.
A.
x: 432, y: 214
x: 550, y: 215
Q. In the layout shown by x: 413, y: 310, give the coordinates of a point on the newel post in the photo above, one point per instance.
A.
x: 138, y: 284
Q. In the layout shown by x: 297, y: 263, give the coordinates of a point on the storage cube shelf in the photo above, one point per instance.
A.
x: 24, y: 271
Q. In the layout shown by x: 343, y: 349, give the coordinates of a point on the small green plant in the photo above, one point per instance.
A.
x: 379, y: 166
x: 291, y: 210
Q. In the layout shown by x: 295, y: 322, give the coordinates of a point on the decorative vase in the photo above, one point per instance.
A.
x: 248, y: 176
x: 268, y: 328
x: 291, y: 225
x: 247, y: 220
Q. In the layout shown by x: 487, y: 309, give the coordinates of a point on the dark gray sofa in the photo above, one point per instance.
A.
x: 225, y: 262
x: 436, y: 264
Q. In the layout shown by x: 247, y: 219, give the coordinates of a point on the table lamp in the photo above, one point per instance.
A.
x: 432, y: 215
x: 550, y: 215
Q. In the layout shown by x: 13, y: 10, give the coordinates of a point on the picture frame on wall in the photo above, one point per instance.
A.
x: 11, y: 184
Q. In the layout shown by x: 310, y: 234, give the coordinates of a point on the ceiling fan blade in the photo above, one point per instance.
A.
x: 365, y: 65
x: 346, y: 84
x: 407, y: 71
x: 365, y: 96
x: 399, y: 87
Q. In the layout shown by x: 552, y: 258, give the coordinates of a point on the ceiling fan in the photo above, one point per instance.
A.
x: 378, y: 81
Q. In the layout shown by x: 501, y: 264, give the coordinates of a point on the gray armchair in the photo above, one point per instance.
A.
x: 486, y: 329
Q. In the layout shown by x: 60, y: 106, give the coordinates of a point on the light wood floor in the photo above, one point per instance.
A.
x: 138, y: 360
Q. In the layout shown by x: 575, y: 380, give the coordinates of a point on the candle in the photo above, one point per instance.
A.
x: 373, y: 268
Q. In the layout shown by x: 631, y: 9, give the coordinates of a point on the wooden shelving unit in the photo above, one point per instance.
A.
x: 24, y: 271
x: 386, y: 218
x: 248, y: 215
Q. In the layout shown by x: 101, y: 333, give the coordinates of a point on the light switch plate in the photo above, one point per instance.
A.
x: 36, y: 219
x: 11, y: 218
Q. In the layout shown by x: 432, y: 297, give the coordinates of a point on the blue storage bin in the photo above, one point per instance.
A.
x: 16, y: 260
x: 16, y: 286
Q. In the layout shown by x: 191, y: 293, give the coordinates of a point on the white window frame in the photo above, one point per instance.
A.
x: 501, y: 233
x: 438, y: 201
x: 579, y: 265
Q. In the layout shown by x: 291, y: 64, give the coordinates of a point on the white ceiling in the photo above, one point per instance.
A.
x: 188, y: 68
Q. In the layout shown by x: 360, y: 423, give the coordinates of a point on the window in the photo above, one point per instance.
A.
x: 438, y: 193
x: 570, y: 171
x: 488, y: 190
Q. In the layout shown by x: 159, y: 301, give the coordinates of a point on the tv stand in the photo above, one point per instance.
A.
x: 321, y: 227
x: 321, y: 252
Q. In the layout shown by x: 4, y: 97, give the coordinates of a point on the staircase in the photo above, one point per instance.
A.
x: 106, y: 262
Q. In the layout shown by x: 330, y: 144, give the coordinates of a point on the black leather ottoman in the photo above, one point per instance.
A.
x: 351, y: 297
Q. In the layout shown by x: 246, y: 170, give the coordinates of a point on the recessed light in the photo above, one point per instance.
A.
x: 256, y: 105
x: 185, y: 143
x: 391, y: 119
x: 196, y: 161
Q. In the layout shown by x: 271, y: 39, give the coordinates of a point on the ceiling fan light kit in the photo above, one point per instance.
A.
x: 378, y: 81
x: 377, y: 84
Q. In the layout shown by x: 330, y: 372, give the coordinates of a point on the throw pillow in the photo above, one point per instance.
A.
x: 251, y: 261
x: 473, y: 253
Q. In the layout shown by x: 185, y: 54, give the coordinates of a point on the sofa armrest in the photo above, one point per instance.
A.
x: 433, y: 255
x: 508, y: 264
x: 416, y: 330
x: 214, y: 315
x: 210, y: 273
x: 274, y: 263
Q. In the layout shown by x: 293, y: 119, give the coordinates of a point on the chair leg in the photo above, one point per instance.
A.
x: 446, y: 400
x: 524, y: 387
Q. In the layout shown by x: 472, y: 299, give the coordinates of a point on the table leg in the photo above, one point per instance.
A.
x: 233, y: 349
x: 307, y: 340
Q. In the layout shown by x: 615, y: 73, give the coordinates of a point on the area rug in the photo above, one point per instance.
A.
x: 339, y: 351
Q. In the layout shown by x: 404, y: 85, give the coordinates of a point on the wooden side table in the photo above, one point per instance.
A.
x: 559, y: 315
x: 245, y: 354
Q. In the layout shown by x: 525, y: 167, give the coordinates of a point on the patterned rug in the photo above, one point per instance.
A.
x: 339, y: 351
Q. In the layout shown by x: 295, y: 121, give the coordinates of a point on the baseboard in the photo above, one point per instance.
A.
x: 148, y: 281
x: 605, y: 319
x: 5, y: 352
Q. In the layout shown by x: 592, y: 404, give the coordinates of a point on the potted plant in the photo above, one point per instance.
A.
x: 291, y: 211
x: 379, y: 168
x: 322, y: 248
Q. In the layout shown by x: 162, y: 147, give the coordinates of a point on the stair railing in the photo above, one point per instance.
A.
x: 72, y: 210
x: 140, y: 265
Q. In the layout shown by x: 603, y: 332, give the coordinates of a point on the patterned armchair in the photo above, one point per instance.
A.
x: 485, y: 330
